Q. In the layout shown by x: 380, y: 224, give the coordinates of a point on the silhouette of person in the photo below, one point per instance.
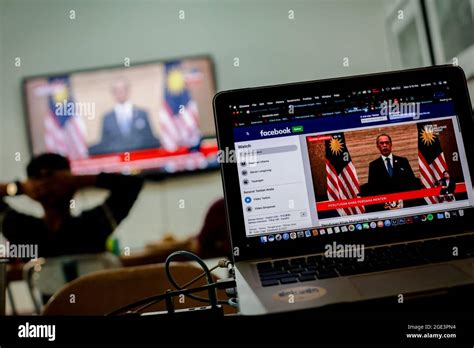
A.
x: 126, y: 127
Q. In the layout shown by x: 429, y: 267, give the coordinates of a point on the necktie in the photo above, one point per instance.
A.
x: 389, y: 167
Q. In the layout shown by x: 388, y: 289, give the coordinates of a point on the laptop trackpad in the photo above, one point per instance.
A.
x: 409, y: 280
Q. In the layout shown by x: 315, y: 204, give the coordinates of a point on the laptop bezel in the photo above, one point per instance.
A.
x: 249, y: 248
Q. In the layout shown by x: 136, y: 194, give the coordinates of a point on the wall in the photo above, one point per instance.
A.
x: 470, y: 85
x: 271, y: 47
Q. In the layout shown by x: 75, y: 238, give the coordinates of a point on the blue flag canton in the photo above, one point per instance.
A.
x: 176, y: 93
x: 60, y: 100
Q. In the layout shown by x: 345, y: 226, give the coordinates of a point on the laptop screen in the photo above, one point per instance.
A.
x: 343, y: 161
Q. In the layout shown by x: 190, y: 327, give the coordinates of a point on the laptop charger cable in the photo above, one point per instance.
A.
x: 138, y: 307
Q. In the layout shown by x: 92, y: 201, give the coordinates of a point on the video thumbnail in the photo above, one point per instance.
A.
x: 386, y: 168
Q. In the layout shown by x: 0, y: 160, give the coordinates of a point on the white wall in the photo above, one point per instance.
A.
x: 271, y: 47
x: 470, y: 85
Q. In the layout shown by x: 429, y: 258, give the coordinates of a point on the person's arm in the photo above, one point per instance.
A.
x: 452, y: 186
x: 148, y: 132
x: 371, y: 180
x: 413, y: 182
x: 410, y: 173
x: 104, y: 139
x: 3, y: 193
x: 83, y: 181
x: 441, y: 182
x: 16, y: 188
x: 12, y: 223
x: 123, y: 190
x: 3, y: 190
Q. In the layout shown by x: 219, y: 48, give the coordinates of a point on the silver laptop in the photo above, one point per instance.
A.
x: 348, y: 189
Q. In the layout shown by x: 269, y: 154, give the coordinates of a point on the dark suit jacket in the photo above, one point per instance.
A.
x: 113, y: 140
x: 449, y: 189
x: 403, y: 178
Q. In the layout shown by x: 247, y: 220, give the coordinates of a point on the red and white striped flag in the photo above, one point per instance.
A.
x: 65, y: 131
x: 430, y: 158
x: 342, y: 179
x: 179, y: 116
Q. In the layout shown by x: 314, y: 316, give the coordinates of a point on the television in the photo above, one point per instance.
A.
x: 147, y: 118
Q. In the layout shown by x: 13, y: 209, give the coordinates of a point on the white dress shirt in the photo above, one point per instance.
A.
x: 124, y: 114
x: 385, y: 160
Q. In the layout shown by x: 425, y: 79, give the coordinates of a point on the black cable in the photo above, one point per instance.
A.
x: 147, y: 302
x: 140, y: 309
x: 157, y: 298
x: 222, y: 263
x: 198, y: 277
x: 190, y: 255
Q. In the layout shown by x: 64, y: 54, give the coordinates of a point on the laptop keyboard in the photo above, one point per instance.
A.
x: 303, y: 269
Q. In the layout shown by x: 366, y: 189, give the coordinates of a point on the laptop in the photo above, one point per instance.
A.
x: 348, y: 189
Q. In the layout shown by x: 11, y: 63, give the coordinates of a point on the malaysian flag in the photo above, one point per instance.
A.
x: 342, y: 180
x: 65, y: 131
x: 179, y: 117
x: 430, y: 158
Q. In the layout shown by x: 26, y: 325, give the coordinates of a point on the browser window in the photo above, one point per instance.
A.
x: 350, y: 160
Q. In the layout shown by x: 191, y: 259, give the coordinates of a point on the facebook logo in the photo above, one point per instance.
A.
x: 275, y: 131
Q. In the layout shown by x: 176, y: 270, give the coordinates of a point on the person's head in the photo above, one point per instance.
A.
x: 121, y: 90
x: 43, y: 168
x: 384, y: 144
x: 44, y: 165
x: 446, y: 174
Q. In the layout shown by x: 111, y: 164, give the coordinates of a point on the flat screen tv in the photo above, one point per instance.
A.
x: 138, y: 119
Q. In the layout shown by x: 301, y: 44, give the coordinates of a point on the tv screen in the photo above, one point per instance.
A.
x: 152, y: 117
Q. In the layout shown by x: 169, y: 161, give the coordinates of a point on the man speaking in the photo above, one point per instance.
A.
x: 126, y: 127
x: 390, y: 173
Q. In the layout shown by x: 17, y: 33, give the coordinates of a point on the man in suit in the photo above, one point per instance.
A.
x: 390, y: 173
x: 126, y: 127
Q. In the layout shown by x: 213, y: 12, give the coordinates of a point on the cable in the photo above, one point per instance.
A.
x: 139, y: 309
x: 234, y: 302
x: 198, y: 277
x: 157, y: 298
x: 212, y: 293
x: 211, y: 286
x: 221, y: 264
